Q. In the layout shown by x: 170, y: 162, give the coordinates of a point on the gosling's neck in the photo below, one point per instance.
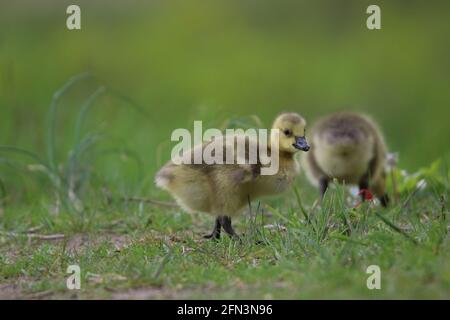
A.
x: 285, y: 155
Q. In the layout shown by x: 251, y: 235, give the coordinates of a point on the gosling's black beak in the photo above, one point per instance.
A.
x: 301, y: 144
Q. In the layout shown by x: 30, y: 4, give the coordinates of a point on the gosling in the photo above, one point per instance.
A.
x: 348, y: 147
x: 224, y: 190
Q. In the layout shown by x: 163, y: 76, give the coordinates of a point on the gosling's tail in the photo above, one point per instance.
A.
x: 164, y: 178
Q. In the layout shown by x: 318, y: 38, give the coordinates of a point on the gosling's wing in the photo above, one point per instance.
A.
x: 245, y: 173
x: 222, y: 157
x: 246, y: 158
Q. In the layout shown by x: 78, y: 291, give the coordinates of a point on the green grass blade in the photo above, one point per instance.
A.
x: 53, y: 175
x: 120, y: 96
x: 3, y: 192
x: 51, y: 148
x: 278, y: 214
x: 84, y: 110
x: 300, y: 204
x: 74, y: 160
x: 395, y: 228
x: 25, y: 152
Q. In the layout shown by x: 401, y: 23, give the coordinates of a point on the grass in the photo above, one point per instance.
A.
x: 136, y: 251
x: 292, y: 247
x: 75, y: 180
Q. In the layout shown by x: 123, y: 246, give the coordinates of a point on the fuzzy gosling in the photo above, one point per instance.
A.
x: 348, y: 147
x: 224, y: 190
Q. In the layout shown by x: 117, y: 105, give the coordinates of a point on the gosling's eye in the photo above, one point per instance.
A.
x: 287, y: 132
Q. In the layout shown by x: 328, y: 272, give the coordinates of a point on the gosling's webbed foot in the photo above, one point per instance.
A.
x: 364, y: 187
x: 226, y: 225
x: 384, y: 199
x: 215, y: 234
x: 323, y: 186
x: 212, y: 235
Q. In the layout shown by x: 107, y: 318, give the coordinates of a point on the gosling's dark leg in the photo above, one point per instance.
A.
x: 384, y: 199
x: 363, y: 185
x: 323, y: 186
x: 226, y: 224
x: 215, y: 234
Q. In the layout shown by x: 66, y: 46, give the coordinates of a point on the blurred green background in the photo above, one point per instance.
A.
x: 181, y: 61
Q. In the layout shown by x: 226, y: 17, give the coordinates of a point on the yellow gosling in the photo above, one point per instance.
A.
x: 224, y: 190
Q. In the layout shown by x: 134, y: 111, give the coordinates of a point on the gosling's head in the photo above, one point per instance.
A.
x: 291, y: 128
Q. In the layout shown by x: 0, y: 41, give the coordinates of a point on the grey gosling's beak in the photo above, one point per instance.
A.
x: 301, y: 144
